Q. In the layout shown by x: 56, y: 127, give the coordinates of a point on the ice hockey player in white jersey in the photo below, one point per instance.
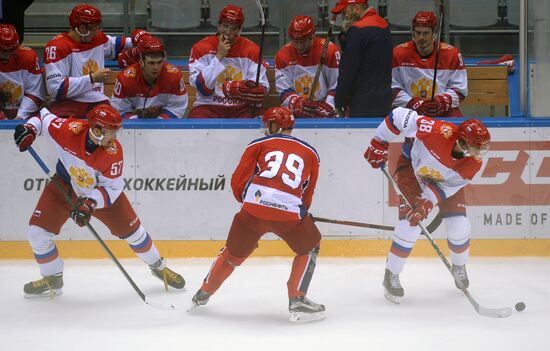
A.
x: 21, y: 83
x: 443, y: 160
x: 413, y: 66
x: 222, y: 70
x: 151, y: 88
x: 296, y: 64
x: 89, y: 170
x: 75, y: 63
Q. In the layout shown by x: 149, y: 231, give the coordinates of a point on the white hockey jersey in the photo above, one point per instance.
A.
x: 131, y: 93
x: 438, y: 173
x: 295, y: 73
x: 412, y: 75
x: 97, y: 175
x: 207, y: 74
x: 21, y: 81
x: 68, y: 64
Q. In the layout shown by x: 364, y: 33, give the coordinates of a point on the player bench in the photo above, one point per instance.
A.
x: 487, y: 86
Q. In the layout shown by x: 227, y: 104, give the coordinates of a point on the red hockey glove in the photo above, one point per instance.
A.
x: 318, y: 109
x: 436, y: 107
x: 415, y: 103
x: 420, y: 211
x: 24, y: 136
x: 296, y: 106
x: 245, y: 90
x: 137, y: 35
x: 83, y: 210
x: 377, y: 153
x: 128, y: 57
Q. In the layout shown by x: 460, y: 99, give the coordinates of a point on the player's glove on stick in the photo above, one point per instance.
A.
x: 24, y: 136
x: 421, y: 210
x: 319, y: 109
x: 245, y: 90
x: 83, y: 210
x: 415, y: 103
x: 128, y: 57
x: 377, y: 153
x: 436, y: 107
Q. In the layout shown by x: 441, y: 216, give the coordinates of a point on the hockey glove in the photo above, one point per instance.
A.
x: 415, y: 103
x: 128, y: 57
x: 420, y: 211
x: 436, y: 107
x: 377, y: 153
x: 83, y: 210
x: 137, y: 35
x: 318, y: 109
x: 24, y: 136
x: 245, y: 90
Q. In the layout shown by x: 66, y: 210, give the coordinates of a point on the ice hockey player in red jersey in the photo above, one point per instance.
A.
x: 75, y: 63
x: 413, y: 66
x: 296, y: 64
x: 151, y: 88
x: 223, y: 68
x: 274, y: 182
x: 89, y: 169
x: 21, y: 83
x: 443, y: 160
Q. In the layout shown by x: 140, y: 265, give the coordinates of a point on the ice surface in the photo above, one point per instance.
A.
x: 100, y: 311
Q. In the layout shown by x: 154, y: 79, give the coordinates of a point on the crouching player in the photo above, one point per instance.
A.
x: 89, y: 170
x: 444, y: 159
x: 274, y: 181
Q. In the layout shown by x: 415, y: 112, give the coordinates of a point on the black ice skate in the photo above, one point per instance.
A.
x: 50, y: 286
x: 393, y: 290
x: 168, y: 276
x: 200, y: 299
x: 460, y: 275
x: 303, y: 309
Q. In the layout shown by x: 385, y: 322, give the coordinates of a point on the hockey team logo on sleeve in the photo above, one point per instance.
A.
x: 422, y: 88
x: 446, y: 131
x: 13, y: 91
x: 75, y: 127
x: 81, y: 177
x: 303, y: 85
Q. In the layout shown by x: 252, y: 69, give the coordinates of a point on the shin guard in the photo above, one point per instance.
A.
x: 303, y: 267
x: 222, y: 268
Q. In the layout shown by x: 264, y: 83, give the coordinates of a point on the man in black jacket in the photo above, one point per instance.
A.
x: 364, y: 81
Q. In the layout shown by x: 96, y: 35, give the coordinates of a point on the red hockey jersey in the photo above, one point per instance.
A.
x: 276, y: 178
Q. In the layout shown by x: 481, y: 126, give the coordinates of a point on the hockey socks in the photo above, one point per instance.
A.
x: 222, y: 268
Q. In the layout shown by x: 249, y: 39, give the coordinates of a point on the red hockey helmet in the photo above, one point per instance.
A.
x: 475, y: 137
x: 301, y: 27
x: 150, y: 45
x: 232, y: 14
x: 105, y: 116
x: 9, y: 39
x: 281, y: 116
x: 424, y: 19
x: 84, y: 14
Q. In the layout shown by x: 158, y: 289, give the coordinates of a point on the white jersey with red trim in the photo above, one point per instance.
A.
x: 21, y: 80
x: 295, y: 73
x: 69, y: 63
x: 412, y: 75
x: 439, y: 174
x: 97, y: 175
x: 207, y: 74
x: 131, y: 93
x: 276, y: 178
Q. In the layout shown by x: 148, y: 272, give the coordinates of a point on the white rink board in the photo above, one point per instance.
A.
x: 348, y: 189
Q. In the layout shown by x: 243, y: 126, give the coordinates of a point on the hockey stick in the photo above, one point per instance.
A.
x: 441, y: 12
x: 483, y: 311
x: 351, y: 223
x: 261, y: 42
x: 94, y: 233
x: 322, y: 60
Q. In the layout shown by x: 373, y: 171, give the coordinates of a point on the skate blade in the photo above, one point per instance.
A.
x: 395, y: 299
x: 304, y: 317
x: 193, y: 306
x: 47, y: 294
